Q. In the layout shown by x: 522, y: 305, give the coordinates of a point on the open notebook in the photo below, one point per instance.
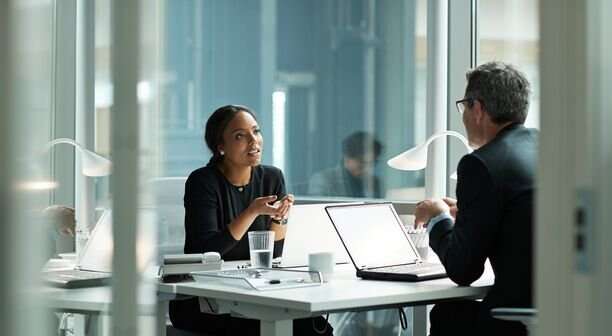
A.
x: 378, y: 244
x: 309, y: 230
x: 95, y: 263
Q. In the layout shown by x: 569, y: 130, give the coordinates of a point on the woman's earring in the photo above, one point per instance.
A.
x: 222, y: 153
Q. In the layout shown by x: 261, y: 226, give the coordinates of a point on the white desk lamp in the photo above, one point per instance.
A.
x: 416, y: 157
x: 94, y: 165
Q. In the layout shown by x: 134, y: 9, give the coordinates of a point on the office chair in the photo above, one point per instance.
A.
x: 172, y: 331
x: 168, y: 202
x: 527, y: 316
x: 171, y: 233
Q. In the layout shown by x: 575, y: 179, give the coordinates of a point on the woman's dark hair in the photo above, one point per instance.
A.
x: 215, y: 126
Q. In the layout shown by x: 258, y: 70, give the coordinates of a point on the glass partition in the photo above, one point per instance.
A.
x: 338, y: 88
x: 26, y: 184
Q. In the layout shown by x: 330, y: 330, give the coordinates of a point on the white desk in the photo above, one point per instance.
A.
x: 345, y: 292
x: 94, y: 302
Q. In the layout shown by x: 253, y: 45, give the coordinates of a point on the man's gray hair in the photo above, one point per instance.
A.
x: 502, y: 89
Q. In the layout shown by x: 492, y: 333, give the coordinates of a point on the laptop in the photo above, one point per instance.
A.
x: 309, y: 230
x: 378, y: 244
x: 95, y: 266
x: 95, y: 263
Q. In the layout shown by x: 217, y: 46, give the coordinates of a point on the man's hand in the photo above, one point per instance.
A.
x: 62, y: 218
x: 452, y: 204
x: 428, y: 209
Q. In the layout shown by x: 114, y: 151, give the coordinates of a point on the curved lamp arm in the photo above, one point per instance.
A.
x: 92, y: 163
x: 416, y: 157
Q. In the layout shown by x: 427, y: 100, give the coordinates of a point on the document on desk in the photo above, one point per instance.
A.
x: 261, y: 279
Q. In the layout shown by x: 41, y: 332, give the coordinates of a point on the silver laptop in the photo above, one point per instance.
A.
x: 378, y: 244
x: 95, y: 266
x: 95, y: 263
x: 309, y: 230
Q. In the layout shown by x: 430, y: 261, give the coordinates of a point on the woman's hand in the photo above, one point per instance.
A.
x: 278, y: 220
x: 259, y: 206
x: 284, y: 205
x: 262, y: 206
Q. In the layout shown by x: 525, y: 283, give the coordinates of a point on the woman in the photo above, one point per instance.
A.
x: 232, y: 195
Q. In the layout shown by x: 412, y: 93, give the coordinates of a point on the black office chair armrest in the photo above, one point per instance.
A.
x: 527, y: 316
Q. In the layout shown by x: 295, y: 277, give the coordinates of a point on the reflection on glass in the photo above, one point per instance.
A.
x: 314, y: 72
x: 354, y: 176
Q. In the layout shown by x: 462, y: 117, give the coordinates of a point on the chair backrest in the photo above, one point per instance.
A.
x: 169, y: 193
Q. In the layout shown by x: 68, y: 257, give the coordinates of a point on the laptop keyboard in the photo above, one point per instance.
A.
x: 75, y: 275
x: 75, y: 278
x: 418, y: 268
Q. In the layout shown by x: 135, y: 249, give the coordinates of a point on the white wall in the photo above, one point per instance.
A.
x: 572, y: 288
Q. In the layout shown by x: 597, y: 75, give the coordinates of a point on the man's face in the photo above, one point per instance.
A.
x: 471, y: 117
x: 359, y: 167
x: 468, y: 123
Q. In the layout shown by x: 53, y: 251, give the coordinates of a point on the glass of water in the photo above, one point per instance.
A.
x: 261, y: 247
x: 420, y: 239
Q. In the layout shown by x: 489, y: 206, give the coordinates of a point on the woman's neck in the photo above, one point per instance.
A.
x: 236, y: 175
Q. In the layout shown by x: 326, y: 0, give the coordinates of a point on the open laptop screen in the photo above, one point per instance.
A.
x: 98, y: 252
x: 309, y: 230
x: 373, y: 235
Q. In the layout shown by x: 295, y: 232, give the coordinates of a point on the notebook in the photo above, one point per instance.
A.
x: 95, y: 265
x: 309, y: 230
x: 378, y: 245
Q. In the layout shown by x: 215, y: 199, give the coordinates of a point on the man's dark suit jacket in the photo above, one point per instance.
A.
x: 495, y: 194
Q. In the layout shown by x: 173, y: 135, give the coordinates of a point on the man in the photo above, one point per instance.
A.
x: 60, y: 222
x: 355, y: 176
x: 493, y: 214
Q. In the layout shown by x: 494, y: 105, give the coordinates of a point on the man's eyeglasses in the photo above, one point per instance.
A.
x: 463, y: 103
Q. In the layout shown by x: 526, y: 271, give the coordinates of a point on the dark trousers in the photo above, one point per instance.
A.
x: 470, y: 318
x: 186, y: 315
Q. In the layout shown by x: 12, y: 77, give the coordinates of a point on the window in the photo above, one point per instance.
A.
x: 509, y: 32
x: 103, y: 95
x: 317, y: 73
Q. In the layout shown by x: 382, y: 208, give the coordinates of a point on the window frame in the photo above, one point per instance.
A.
x: 464, y: 33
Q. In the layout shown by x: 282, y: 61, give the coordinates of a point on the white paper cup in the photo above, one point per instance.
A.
x: 322, y: 262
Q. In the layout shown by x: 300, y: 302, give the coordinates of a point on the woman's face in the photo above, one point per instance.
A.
x: 242, y: 141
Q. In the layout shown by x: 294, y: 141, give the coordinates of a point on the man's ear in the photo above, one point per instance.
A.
x: 479, y: 112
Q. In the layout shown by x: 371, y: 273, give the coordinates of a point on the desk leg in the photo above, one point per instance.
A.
x: 88, y: 325
x: 276, y: 328
x: 160, y: 320
x: 419, y: 321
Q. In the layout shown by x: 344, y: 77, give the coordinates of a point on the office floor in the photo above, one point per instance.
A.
x: 78, y: 325
x: 371, y: 323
